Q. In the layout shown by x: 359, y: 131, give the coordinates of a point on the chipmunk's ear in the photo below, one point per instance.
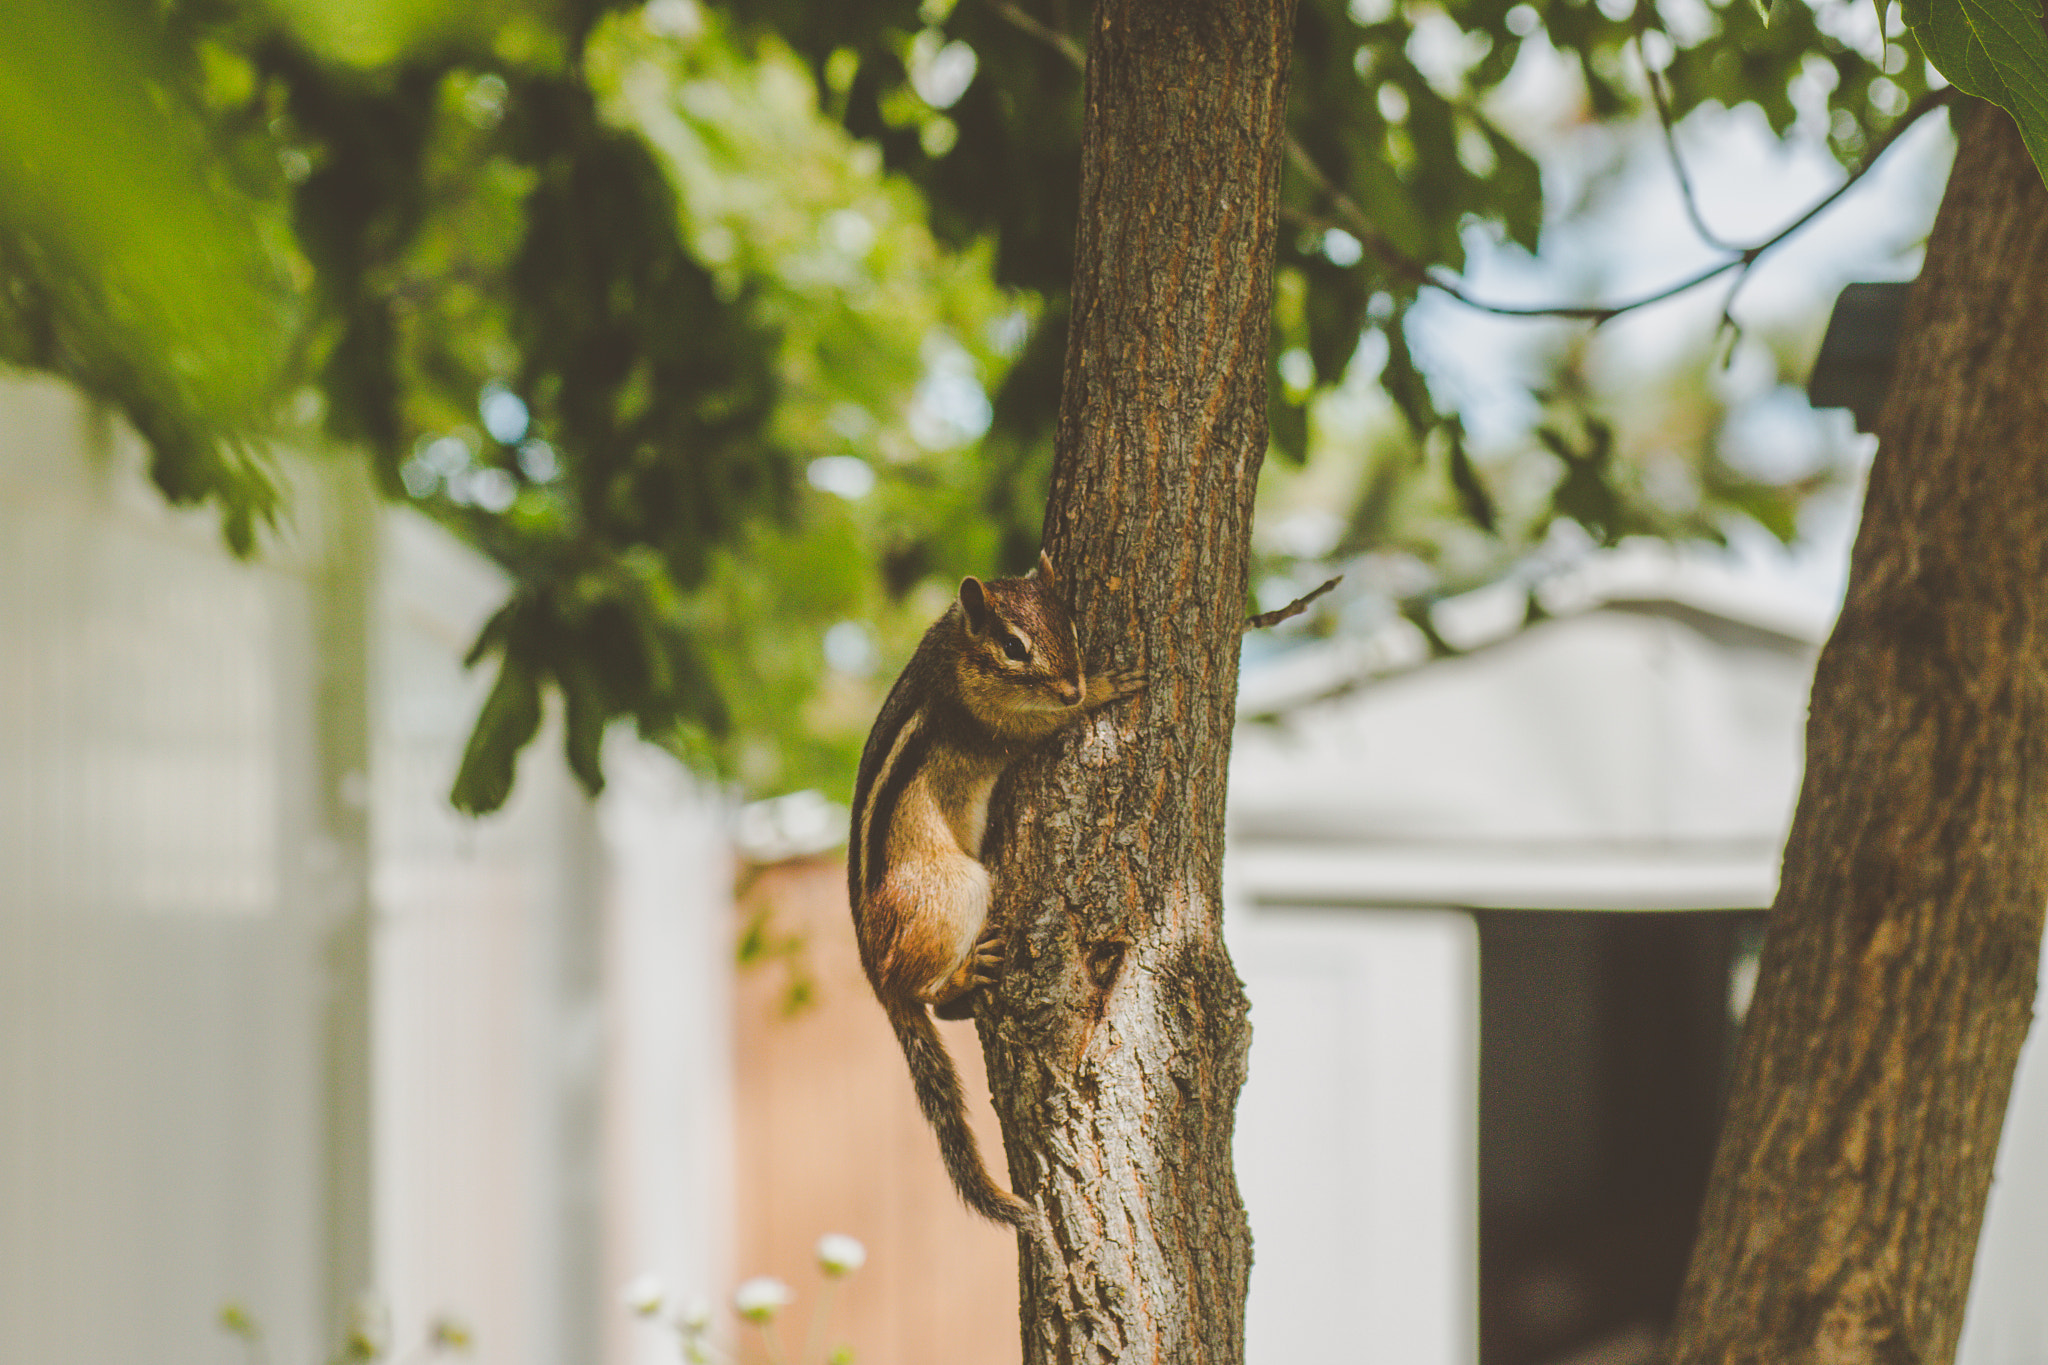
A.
x: 1045, y: 574
x: 974, y: 604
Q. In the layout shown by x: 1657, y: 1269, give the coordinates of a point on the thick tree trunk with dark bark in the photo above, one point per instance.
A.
x: 1117, y: 1039
x: 1899, y: 965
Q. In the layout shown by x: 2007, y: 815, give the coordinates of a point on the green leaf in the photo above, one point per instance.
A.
x: 1403, y: 381
x: 496, y: 631
x: 1286, y: 417
x: 1287, y: 423
x: 1996, y: 50
x: 585, y: 712
x: 1519, y: 181
x: 1378, y: 188
x: 510, y: 717
x: 1584, y: 493
x: 1478, y: 503
x: 1334, y: 316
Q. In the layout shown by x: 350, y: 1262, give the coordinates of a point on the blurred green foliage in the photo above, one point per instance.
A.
x: 720, y: 326
x: 592, y: 288
x: 133, y: 247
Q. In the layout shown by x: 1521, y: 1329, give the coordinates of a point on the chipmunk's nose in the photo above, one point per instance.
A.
x: 1069, y: 692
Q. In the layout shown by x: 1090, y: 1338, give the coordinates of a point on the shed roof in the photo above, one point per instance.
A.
x: 1639, y: 749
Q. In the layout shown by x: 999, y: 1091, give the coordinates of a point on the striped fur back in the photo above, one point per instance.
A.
x: 894, y: 750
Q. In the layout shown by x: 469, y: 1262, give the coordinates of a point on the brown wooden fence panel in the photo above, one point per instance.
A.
x: 829, y: 1139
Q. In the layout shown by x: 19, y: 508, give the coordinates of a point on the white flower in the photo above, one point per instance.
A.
x: 839, y: 1254
x: 761, y: 1298
x: 694, y: 1317
x: 643, y: 1295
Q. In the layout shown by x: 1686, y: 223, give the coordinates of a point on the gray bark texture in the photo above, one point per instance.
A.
x: 1898, y: 970
x: 1116, y: 1038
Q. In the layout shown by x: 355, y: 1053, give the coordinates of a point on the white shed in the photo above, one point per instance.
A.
x: 1430, y: 1050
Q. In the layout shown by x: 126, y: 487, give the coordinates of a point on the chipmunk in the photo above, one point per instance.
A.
x: 998, y: 674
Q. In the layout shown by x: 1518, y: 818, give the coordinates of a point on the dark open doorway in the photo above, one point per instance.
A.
x: 1604, y: 1041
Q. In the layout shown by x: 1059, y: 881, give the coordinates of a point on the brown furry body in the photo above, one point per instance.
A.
x: 997, y: 675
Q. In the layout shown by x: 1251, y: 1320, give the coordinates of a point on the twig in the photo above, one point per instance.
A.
x: 1919, y: 109
x: 1685, y: 190
x: 1354, y: 219
x: 1355, y: 222
x: 1059, y: 41
x: 1678, y: 164
x: 1743, y: 260
x: 1267, y: 619
x: 1728, y: 326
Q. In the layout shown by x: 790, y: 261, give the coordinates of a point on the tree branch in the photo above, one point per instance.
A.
x: 1355, y: 221
x: 1744, y: 260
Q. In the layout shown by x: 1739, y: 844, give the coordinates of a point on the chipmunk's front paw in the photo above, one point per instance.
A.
x: 1114, y: 683
x: 982, y: 967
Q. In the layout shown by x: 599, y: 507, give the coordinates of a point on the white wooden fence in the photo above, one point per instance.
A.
x: 277, y: 1027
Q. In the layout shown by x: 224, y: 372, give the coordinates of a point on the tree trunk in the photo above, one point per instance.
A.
x: 1117, y: 1039
x: 1899, y: 967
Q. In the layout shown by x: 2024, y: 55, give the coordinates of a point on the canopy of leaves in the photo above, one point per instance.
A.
x: 594, y: 290
x: 1407, y: 149
x: 717, y: 326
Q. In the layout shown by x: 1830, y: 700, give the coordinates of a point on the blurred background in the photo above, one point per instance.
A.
x: 468, y: 474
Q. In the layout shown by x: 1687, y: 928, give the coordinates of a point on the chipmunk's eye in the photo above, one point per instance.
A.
x: 1013, y: 649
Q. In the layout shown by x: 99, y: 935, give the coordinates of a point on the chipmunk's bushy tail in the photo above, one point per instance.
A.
x: 937, y: 1082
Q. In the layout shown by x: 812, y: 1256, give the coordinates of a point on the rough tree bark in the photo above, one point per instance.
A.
x: 1899, y: 966
x: 1117, y: 1038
